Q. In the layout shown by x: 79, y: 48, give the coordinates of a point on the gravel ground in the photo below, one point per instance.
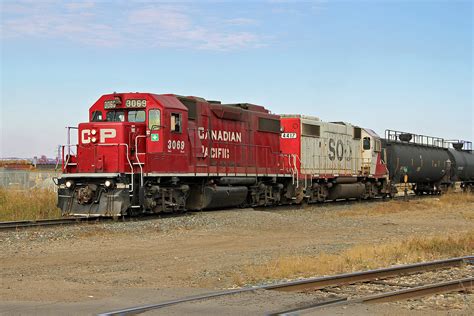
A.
x: 92, y: 263
x: 448, y: 301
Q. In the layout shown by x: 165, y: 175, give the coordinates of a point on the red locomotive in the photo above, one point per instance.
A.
x: 143, y: 152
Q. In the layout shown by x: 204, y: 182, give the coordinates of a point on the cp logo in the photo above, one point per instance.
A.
x: 87, y: 135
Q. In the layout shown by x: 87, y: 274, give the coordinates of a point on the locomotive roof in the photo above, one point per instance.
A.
x: 301, y: 116
x: 173, y: 101
x: 169, y: 101
x: 371, y: 132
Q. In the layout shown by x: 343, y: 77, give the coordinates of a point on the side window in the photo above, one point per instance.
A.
x: 378, y: 145
x: 136, y: 116
x: 154, y: 120
x: 366, y: 143
x: 268, y: 125
x: 311, y: 130
x: 96, y: 116
x: 176, y: 124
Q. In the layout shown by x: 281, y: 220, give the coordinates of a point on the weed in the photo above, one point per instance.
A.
x: 362, y: 257
x: 27, y: 204
x: 446, y: 202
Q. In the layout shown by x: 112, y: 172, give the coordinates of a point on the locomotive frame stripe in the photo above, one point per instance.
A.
x: 189, y: 174
x: 220, y: 174
x: 204, y: 174
x: 89, y: 175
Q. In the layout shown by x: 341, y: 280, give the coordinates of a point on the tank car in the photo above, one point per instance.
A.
x: 462, y: 157
x: 423, y: 161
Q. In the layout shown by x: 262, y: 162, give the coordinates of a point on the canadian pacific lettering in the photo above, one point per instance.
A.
x: 224, y: 136
x: 216, y: 152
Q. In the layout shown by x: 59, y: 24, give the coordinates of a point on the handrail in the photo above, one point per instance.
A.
x: 412, y: 138
x: 294, y: 169
x: 65, y: 163
x: 138, y: 159
x: 69, y: 128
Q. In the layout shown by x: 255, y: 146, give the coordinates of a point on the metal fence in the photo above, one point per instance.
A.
x: 26, y: 179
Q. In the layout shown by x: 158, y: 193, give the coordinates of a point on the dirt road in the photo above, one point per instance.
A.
x: 88, y: 264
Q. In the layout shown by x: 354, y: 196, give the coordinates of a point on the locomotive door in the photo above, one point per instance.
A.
x: 177, y: 142
x: 154, y: 139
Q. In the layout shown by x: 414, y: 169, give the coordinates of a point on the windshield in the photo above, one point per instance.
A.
x: 136, y: 116
x: 115, y: 116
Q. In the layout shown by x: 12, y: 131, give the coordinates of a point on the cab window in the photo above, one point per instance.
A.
x: 96, y: 116
x: 115, y: 116
x: 176, y: 123
x: 136, y: 116
x: 154, y: 120
x: 366, y: 143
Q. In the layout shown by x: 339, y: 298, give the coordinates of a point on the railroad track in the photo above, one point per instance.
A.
x: 464, y: 284
x: 338, y: 280
x: 13, y: 225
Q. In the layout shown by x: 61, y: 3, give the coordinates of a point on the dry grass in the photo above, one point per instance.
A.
x: 454, y: 199
x: 411, y: 250
x: 450, y: 201
x: 27, y: 204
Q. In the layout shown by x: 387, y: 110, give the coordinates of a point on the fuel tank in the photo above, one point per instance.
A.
x: 346, y: 191
x: 210, y: 197
x: 462, y: 165
x: 420, y: 163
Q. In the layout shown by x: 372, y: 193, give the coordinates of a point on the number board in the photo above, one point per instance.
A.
x: 109, y: 104
x: 132, y: 103
x: 288, y: 135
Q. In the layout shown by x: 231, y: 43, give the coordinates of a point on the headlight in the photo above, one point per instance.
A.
x: 109, y: 183
x: 69, y: 184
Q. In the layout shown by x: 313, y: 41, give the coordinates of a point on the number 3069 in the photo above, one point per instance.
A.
x: 179, y: 145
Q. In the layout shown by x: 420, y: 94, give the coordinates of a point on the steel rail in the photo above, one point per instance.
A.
x: 430, y: 289
x: 393, y: 296
x: 312, y: 283
x: 11, y: 225
x: 144, y: 308
x: 37, y: 223
x: 350, y: 278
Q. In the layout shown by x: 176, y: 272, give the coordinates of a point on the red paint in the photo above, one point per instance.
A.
x: 291, y: 146
x: 220, y: 139
x: 381, y: 169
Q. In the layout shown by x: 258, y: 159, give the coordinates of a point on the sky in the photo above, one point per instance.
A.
x: 403, y: 65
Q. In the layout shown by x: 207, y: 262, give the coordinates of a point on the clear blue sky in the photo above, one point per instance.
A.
x: 405, y: 65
